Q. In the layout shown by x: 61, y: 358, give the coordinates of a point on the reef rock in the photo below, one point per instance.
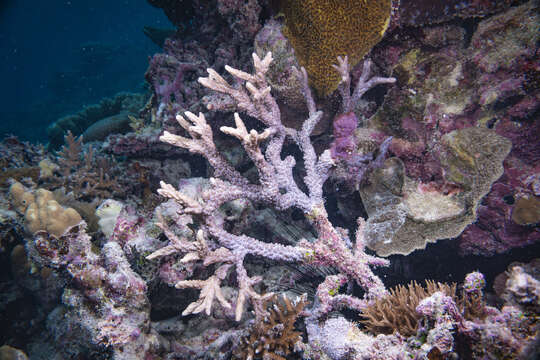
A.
x: 403, y: 220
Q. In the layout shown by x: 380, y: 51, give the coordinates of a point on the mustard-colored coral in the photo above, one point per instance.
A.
x: 322, y: 30
x: 42, y: 212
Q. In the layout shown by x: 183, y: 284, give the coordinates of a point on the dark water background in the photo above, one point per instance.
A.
x: 56, y: 56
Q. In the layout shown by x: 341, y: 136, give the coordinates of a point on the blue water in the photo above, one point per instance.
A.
x: 57, y: 56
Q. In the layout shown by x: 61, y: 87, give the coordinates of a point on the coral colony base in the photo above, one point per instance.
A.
x: 247, y: 232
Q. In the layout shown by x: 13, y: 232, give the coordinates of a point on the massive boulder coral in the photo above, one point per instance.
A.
x: 322, y: 30
x: 41, y: 211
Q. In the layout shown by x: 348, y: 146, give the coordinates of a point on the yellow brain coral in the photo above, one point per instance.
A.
x: 322, y: 30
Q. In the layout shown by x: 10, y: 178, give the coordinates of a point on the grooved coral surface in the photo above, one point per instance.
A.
x: 322, y: 30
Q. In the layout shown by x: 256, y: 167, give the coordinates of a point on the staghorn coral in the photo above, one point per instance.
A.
x: 276, y: 186
x: 397, y: 311
x: 84, y: 175
x: 273, y: 337
x: 322, y: 30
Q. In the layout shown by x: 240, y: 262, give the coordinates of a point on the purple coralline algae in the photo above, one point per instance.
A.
x: 108, y: 299
x: 447, y: 88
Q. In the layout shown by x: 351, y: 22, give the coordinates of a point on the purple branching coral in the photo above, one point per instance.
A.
x: 354, y: 164
x: 276, y: 187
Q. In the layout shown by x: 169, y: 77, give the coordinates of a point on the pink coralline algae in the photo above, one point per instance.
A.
x: 226, y: 200
x: 474, y: 282
x: 445, y: 327
x: 498, y: 232
x: 344, y: 127
x: 415, y: 12
x: 449, y: 86
x: 116, y: 313
x: 353, y: 163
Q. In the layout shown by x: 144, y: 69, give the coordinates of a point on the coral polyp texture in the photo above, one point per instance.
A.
x: 322, y: 30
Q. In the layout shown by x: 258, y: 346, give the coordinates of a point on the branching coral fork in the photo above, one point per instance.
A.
x: 277, y: 188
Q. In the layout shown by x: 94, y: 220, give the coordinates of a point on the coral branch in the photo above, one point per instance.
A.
x: 210, y: 290
x: 364, y: 83
x: 277, y: 187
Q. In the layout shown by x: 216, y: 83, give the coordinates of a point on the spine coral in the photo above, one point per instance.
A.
x: 276, y: 187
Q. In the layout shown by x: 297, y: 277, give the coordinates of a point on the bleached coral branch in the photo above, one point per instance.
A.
x: 202, y: 143
x: 254, y: 98
x: 250, y: 139
x: 210, y: 290
x: 191, y: 206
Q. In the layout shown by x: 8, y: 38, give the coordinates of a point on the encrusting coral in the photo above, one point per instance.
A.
x: 407, y: 217
x: 322, y: 30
